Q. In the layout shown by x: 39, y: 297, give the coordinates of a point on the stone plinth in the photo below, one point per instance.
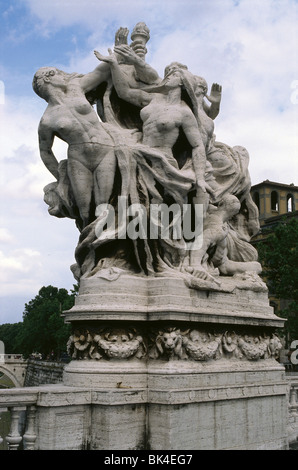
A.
x: 169, y: 367
x: 214, y: 408
x: 142, y: 299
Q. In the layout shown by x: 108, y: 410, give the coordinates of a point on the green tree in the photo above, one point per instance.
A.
x: 278, y: 254
x: 44, y: 330
x: 8, y: 334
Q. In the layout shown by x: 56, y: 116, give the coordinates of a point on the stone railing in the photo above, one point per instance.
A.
x: 293, y: 408
x: 21, y: 404
x: 13, y: 358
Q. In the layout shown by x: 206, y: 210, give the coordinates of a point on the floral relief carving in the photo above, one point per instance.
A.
x: 171, y: 343
x: 113, y: 343
x: 202, y: 346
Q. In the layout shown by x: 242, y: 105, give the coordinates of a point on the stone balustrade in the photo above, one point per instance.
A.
x: 22, y: 404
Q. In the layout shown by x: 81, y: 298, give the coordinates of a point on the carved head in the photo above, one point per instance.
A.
x: 200, y: 86
x: 189, y: 84
x: 45, y: 76
x: 170, y: 339
x: 173, y: 67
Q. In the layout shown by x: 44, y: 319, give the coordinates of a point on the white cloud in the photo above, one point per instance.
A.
x: 6, y: 236
x: 17, y: 270
x: 34, y: 250
x: 41, y: 255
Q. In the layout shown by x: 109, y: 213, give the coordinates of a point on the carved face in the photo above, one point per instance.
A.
x: 173, y: 79
x: 200, y: 87
x: 55, y: 77
x: 170, y: 340
x: 45, y: 76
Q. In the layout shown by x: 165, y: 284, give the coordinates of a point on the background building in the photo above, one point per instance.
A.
x: 275, y: 200
x: 277, y: 204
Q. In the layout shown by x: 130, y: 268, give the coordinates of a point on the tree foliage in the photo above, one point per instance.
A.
x: 279, y: 256
x: 43, y: 329
x: 9, y: 332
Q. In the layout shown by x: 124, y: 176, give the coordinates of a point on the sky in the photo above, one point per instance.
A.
x: 250, y: 47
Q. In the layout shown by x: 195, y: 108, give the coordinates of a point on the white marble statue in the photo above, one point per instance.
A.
x: 151, y: 142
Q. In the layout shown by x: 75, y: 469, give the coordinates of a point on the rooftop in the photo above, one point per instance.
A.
x: 273, y: 183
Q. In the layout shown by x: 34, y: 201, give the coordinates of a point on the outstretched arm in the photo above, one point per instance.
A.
x: 135, y: 96
x: 92, y: 79
x: 46, y: 139
x: 144, y: 71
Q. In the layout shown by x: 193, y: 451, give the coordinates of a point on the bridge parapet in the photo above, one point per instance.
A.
x: 21, y: 404
x: 11, y: 358
x: 28, y: 407
x: 14, y: 367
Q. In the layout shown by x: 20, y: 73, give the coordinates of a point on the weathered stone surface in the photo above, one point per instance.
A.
x: 174, y: 343
x: 165, y: 298
x: 40, y: 372
x: 153, y: 154
x: 182, y: 407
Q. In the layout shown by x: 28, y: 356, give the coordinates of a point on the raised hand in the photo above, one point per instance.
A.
x: 203, y: 186
x: 121, y: 36
x: 215, y: 95
x: 109, y: 59
x: 127, y: 53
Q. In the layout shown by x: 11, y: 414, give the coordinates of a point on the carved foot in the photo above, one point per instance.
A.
x: 201, y: 273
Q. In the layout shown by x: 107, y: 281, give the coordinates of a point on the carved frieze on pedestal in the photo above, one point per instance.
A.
x: 187, y: 342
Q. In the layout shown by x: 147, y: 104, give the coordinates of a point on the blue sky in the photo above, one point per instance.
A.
x: 248, y: 46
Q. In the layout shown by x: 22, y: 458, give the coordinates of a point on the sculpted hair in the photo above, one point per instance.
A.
x: 177, y: 64
x: 38, y: 83
x: 40, y: 86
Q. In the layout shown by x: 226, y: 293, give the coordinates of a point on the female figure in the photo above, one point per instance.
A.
x: 91, y: 160
x: 163, y: 114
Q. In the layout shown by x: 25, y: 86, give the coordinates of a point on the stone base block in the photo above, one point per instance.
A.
x: 106, y: 375
x: 183, y: 407
x: 160, y: 366
x: 237, y: 424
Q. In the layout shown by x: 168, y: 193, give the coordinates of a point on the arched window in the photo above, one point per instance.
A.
x: 274, y: 201
x: 290, y: 203
x: 256, y: 199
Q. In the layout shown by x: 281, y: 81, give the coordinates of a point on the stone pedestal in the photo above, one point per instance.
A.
x: 169, y: 367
